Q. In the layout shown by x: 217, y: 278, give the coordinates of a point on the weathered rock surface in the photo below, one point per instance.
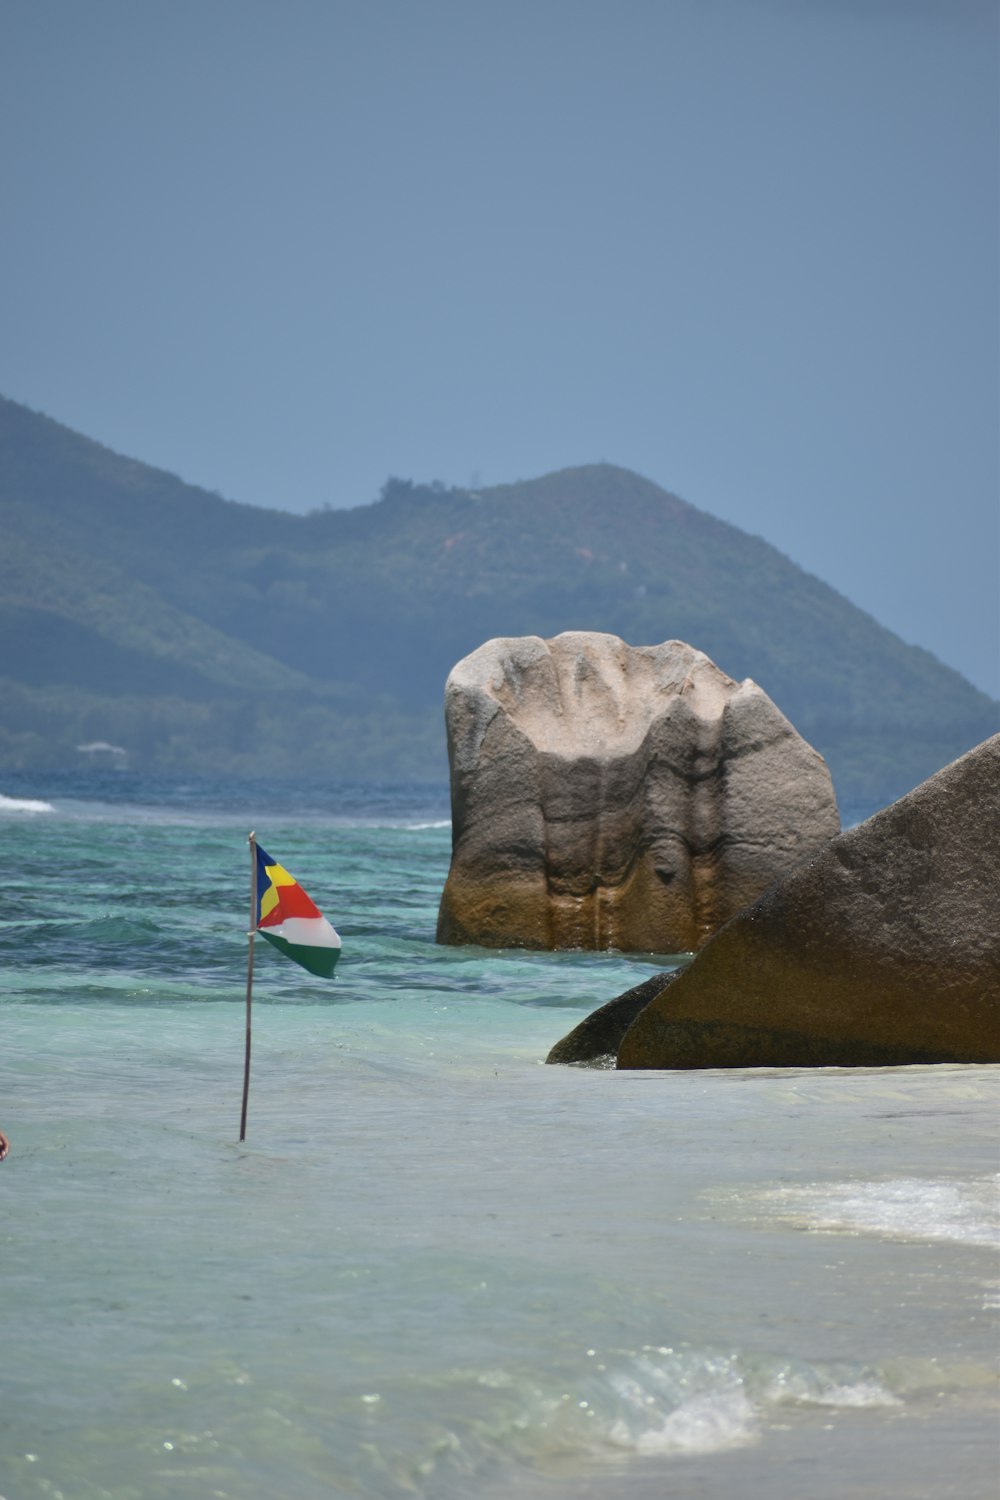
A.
x: 599, y: 1035
x: 882, y: 949
x: 609, y: 796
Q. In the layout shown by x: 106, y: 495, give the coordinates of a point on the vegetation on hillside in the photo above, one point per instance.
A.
x: 196, y: 632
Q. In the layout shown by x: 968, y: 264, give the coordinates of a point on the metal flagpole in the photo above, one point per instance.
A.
x: 253, y: 927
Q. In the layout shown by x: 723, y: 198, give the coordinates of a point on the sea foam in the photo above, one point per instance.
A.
x: 23, y: 805
x: 965, y: 1211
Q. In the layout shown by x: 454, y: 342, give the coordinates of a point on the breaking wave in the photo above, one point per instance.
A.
x: 617, y: 1406
x: 23, y: 805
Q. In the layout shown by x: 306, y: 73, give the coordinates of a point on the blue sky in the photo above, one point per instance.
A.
x: 748, y: 248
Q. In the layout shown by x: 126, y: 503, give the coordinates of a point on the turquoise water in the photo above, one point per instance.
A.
x: 438, y: 1268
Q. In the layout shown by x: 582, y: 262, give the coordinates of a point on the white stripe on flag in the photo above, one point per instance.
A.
x: 305, y: 932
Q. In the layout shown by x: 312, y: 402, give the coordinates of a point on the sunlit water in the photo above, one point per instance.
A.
x: 437, y: 1268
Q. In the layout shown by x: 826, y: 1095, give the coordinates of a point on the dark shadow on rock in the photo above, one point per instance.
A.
x: 596, y: 1040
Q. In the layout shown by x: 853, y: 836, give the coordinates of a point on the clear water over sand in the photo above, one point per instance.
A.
x: 438, y: 1268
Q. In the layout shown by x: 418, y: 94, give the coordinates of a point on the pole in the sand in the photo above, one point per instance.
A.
x: 250, y: 935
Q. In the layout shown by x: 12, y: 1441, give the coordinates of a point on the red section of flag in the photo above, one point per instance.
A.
x: 292, y: 902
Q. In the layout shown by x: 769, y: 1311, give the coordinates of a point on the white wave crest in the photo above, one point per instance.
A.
x: 23, y: 805
x: 705, y: 1424
x: 806, y: 1386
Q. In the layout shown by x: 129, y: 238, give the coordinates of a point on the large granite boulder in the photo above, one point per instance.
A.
x: 610, y: 796
x: 884, y: 948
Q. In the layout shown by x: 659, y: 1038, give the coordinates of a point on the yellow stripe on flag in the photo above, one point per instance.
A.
x: 277, y: 875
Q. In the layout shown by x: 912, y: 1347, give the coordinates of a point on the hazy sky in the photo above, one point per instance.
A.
x: 286, y: 248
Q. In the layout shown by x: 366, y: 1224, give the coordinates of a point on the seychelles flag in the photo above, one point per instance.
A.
x: 293, y: 923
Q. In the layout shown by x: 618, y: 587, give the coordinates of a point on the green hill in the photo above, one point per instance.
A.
x: 197, y: 632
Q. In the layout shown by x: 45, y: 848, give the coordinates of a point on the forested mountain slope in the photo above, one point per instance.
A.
x: 200, y: 633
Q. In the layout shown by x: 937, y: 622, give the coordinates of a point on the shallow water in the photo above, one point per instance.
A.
x: 438, y: 1268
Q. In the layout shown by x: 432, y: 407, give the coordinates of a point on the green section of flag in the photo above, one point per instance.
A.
x: 318, y: 960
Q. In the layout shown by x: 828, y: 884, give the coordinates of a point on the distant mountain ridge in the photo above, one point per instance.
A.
x: 197, y: 632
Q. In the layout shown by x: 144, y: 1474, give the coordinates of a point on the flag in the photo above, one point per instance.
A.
x: 291, y: 921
